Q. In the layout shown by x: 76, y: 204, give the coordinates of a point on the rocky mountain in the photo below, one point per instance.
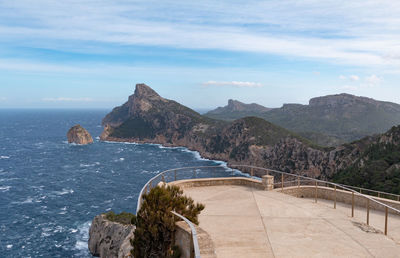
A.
x: 147, y: 117
x: 330, y: 120
x: 236, y: 109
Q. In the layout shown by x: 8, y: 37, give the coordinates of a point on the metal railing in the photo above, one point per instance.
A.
x: 281, y: 179
x: 187, y: 173
x: 194, y: 242
x: 284, y: 179
x: 376, y: 193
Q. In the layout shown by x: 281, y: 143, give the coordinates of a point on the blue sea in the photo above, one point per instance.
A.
x: 51, y: 190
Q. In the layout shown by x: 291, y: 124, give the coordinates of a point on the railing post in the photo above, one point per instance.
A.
x: 398, y: 198
x: 191, y: 246
x: 368, y: 212
x: 251, y: 172
x: 282, y: 182
x: 379, y: 195
x: 352, y: 204
x: 175, y: 175
x: 334, y: 203
x: 316, y: 191
x: 386, y: 220
x: 194, y: 173
x: 298, y: 182
x: 163, y: 178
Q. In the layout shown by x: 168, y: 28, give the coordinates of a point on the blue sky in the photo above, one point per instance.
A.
x: 91, y: 53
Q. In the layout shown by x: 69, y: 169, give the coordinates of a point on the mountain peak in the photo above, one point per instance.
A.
x: 144, y: 91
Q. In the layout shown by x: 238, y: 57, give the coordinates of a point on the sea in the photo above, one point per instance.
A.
x: 51, y: 190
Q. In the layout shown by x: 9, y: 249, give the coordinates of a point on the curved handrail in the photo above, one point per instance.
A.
x: 162, y: 174
x: 194, y: 234
x: 321, y: 181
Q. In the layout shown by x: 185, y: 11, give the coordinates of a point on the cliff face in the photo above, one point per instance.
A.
x: 110, y: 239
x: 79, y: 135
x: 250, y: 140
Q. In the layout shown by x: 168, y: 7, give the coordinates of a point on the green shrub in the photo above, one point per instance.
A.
x: 155, y: 224
x: 123, y: 218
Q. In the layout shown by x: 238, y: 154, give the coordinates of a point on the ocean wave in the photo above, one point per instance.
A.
x: 82, y: 237
x: 89, y: 165
x: 5, y: 188
x: 127, y: 143
x: 63, y: 191
x: 4, y: 157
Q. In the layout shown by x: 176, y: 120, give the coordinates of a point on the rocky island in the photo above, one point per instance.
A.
x: 149, y: 118
x: 79, y: 135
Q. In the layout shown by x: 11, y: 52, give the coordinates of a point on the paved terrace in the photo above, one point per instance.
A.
x: 246, y: 222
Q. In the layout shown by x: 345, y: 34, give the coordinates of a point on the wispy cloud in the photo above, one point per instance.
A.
x: 350, y: 77
x: 370, y: 81
x: 64, y: 99
x: 285, y: 28
x: 233, y: 84
x: 373, y: 80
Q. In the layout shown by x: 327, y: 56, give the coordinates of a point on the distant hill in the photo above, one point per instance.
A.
x: 148, y: 118
x: 329, y: 120
x: 236, y: 109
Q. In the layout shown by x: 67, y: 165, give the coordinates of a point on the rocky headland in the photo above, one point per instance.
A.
x: 79, y: 135
x: 148, y: 118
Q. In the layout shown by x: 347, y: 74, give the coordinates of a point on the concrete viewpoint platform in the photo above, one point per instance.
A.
x: 246, y: 222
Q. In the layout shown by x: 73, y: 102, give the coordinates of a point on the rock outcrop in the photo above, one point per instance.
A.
x: 110, y: 239
x: 79, y: 135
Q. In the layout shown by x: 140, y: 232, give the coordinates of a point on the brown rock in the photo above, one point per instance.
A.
x: 110, y: 239
x: 79, y: 135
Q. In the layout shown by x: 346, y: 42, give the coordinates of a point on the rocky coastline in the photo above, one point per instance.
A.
x: 148, y: 118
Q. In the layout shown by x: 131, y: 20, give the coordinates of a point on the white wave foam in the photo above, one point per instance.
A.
x: 9, y: 246
x: 82, y: 236
x: 128, y: 143
x: 4, y: 157
x: 64, y: 191
x: 89, y: 165
x: 5, y: 188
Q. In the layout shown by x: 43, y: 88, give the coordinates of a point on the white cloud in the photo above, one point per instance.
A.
x: 64, y: 99
x: 233, y: 83
x: 286, y: 28
x: 373, y: 80
x: 2, y: 99
x: 354, y: 77
x: 350, y: 77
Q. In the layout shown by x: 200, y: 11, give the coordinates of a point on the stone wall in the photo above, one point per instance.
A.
x: 218, y: 181
x: 183, y: 240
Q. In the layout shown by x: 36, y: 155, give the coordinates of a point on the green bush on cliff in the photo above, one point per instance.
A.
x: 155, y: 224
x: 123, y: 218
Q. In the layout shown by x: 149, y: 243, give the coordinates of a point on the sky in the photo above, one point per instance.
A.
x: 91, y: 53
